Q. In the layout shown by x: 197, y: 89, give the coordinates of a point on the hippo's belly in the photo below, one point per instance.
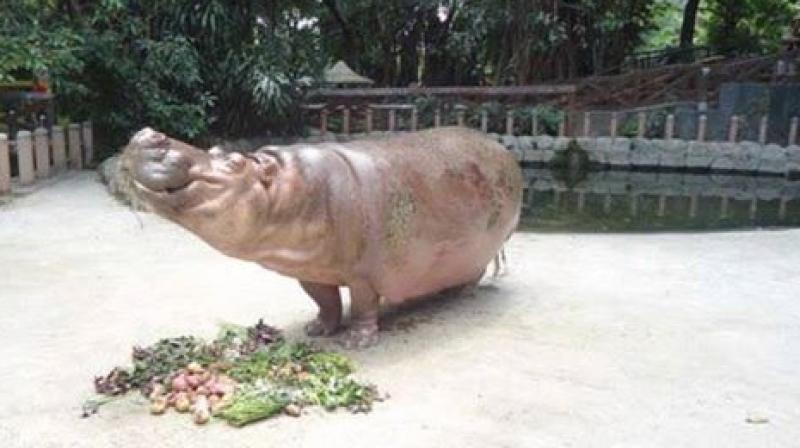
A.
x: 435, y: 266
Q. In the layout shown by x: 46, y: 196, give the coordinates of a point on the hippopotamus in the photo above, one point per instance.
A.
x: 397, y: 217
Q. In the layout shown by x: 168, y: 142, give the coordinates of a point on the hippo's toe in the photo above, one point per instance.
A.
x: 318, y: 328
x: 358, y: 338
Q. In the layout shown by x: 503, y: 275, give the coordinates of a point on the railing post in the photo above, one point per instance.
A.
x: 669, y: 129
x: 510, y: 122
x: 793, y: 130
x: 414, y: 118
x: 460, y: 108
x: 733, y: 131
x: 369, y: 119
x: 74, y: 138
x: 484, y: 120
x: 88, y: 142
x: 346, y: 120
x: 642, y: 130
x: 701, y: 127
x: 41, y: 153
x: 323, y: 121
x: 392, y: 121
x: 614, y: 124
x: 587, y: 124
x: 562, y: 126
x: 5, y: 165
x: 59, y: 148
x: 535, y: 123
x: 437, y: 117
x: 762, y: 130
x: 25, y: 158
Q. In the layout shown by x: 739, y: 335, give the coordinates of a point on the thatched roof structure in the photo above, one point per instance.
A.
x: 341, y: 74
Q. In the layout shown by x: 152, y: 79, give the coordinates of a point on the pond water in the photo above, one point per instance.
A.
x: 617, y: 201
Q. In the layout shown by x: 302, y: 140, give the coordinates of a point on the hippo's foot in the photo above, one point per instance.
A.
x: 360, y: 337
x: 319, y: 328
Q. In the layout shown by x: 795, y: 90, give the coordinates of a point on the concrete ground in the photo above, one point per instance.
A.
x: 656, y: 340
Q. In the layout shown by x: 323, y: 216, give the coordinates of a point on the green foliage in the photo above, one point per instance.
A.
x: 747, y: 26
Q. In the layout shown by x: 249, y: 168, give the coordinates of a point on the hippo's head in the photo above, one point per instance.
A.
x: 219, y: 196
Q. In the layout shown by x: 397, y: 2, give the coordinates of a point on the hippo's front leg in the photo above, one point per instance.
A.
x: 330, y: 308
x: 364, y: 310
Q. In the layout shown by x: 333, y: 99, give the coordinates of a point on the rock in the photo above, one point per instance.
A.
x: 773, y: 160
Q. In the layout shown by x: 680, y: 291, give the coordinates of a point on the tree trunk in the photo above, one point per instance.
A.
x: 689, y: 24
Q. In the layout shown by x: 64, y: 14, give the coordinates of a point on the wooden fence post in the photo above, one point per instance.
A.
x: 74, y: 138
x: 346, y: 120
x: 59, y: 148
x: 41, y: 153
x: 369, y: 119
x: 669, y: 128
x: 614, y: 124
x: 414, y: 118
x: 793, y: 131
x: 762, y: 130
x: 25, y: 158
x: 562, y: 125
x: 587, y: 124
x: 509, y: 122
x: 484, y: 121
x: 642, y: 130
x: 5, y: 165
x: 437, y: 118
x: 534, y: 123
x: 392, y: 119
x: 701, y: 128
x: 323, y: 121
x: 460, y: 109
x: 733, y: 131
x: 88, y: 142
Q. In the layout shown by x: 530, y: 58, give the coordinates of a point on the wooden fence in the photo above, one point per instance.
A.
x: 511, y: 124
x: 34, y: 156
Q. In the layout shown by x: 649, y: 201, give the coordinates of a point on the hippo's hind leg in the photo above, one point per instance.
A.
x: 364, y: 310
x: 330, y: 308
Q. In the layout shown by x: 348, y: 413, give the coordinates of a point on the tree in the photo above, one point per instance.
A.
x: 689, y: 24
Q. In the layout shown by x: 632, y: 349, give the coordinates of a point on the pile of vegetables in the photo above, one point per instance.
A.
x: 243, y: 376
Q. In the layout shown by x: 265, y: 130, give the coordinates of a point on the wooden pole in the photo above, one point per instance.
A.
x: 701, y: 128
x: 762, y: 130
x: 733, y: 131
x: 414, y: 118
x: 437, y: 118
x: 669, y: 129
x: 460, y: 115
x: 323, y: 121
x: 614, y: 125
x: 587, y: 123
x: 793, y: 131
x: 642, y: 125
x: 662, y: 205
x: 74, y: 139
x: 41, y: 153
x: 25, y: 158
x: 535, y: 123
x: 484, y: 121
x: 88, y: 142
x: 369, y: 119
x: 392, y: 120
x: 509, y: 122
x: 59, y: 148
x: 562, y: 126
x: 5, y: 166
x: 346, y: 120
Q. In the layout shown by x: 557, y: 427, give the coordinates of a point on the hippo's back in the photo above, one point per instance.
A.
x: 440, y: 205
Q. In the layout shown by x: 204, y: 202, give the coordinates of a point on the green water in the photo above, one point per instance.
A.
x: 620, y: 201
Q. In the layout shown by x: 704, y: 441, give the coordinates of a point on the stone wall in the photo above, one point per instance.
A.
x: 622, y: 153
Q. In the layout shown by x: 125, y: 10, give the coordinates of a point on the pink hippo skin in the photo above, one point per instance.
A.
x: 399, y: 217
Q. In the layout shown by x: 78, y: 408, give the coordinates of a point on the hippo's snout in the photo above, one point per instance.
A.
x: 157, y: 166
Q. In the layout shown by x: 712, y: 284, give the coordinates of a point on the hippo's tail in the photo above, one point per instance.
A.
x: 499, y: 263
